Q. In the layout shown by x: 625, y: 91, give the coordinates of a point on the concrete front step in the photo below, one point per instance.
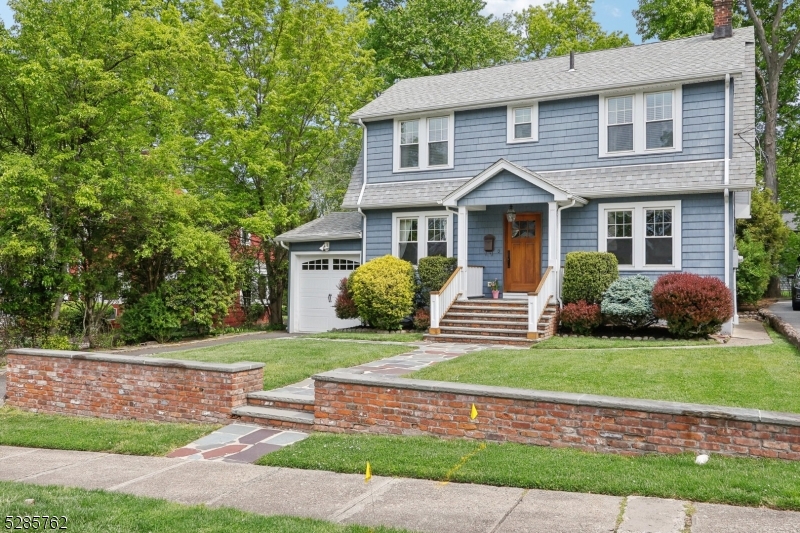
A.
x: 482, y: 331
x: 503, y: 310
x: 497, y: 324
x: 480, y: 339
x: 268, y: 416
x: 467, y: 315
x: 281, y: 400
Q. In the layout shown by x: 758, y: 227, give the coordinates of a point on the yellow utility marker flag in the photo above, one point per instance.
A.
x: 368, y: 475
x: 474, y: 413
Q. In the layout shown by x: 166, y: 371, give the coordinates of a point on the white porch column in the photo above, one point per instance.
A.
x: 463, y: 242
x: 552, y: 235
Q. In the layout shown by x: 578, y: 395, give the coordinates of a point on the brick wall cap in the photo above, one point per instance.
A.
x: 590, y: 400
x: 137, y: 360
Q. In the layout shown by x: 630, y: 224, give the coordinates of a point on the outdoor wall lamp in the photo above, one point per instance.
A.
x: 511, y: 215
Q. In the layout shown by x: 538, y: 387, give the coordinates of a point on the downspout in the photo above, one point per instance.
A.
x: 558, y: 251
x: 361, y: 194
x: 726, y: 178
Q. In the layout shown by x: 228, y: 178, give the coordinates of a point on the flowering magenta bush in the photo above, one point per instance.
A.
x: 422, y: 320
x: 692, y: 305
x: 581, y: 317
x: 345, y: 306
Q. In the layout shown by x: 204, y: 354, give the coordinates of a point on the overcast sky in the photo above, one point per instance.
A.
x: 612, y: 14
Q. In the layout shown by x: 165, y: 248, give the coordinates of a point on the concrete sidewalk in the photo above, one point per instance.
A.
x: 416, y: 505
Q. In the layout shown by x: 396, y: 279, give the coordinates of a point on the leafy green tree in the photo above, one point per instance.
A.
x: 414, y: 38
x: 558, y: 28
x: 273, y: 113
x: 777, y: 30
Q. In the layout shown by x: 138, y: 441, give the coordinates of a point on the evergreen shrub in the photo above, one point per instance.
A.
x: 587, y: 275
x: 629, y: 302
x: 383, y: 291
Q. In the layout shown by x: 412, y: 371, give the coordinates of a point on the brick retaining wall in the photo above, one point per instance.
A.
x: 124, y: 387
x: 348, y: 403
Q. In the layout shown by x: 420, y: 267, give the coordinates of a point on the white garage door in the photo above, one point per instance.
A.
x: 317, y: 287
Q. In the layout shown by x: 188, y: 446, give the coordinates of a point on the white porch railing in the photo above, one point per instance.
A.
x: 537, y: 301
x: 442, y: 299
x: 474, y: 281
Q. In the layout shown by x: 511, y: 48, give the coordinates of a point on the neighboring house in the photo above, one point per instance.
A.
x: 646, y: 152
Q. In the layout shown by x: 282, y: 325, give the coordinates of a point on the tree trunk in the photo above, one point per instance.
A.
x: 774, y: 287
x: 770, y: 138
x: 276, y: 261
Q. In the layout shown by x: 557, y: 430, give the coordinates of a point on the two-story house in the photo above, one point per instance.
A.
x: 646, y: 152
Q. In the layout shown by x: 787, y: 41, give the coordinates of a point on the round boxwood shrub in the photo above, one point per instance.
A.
x: 587, y: 275
x: 629, y: 302
x: 433, y: 272
x: 581, y: 317
x: 383, y: 291
x: 692, y: 305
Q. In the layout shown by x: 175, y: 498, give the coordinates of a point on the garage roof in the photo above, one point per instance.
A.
x: 337, y: 226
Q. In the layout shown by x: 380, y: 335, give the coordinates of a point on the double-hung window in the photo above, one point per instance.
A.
x: 640, y: 123
x: 418, y: 235
x: 523, y: 123
x: 643, y: 236
x: 423, y: 143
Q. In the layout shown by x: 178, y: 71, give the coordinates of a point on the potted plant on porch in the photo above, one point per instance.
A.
x: 495, y: 287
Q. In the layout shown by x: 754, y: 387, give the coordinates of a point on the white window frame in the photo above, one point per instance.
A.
x: 422, y: 231
x: 423, y: 142
x: 534, y: 107
x: 638, y: 218
x: 639, y: 122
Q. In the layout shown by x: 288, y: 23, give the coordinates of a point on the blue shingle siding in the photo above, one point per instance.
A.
x: 702, y: 227
x: 506, y: 188
x: 350, y: 245
x: 491, y: 221
x: 379, y: 230
x: 568, y: 138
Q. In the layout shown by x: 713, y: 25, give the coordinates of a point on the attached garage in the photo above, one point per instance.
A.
x: 321, y: 252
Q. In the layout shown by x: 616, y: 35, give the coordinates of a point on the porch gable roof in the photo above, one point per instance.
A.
x: 559, y: 194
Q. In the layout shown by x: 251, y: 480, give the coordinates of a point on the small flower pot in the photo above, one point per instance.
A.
x: 495, y: 294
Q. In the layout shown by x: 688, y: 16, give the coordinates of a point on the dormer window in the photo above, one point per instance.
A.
x: 523, y: 123
x: 423, y: 143
x: 640, y: 123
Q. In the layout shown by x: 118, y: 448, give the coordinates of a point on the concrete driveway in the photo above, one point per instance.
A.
x: 783, y: 308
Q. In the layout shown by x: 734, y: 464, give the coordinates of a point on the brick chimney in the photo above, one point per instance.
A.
x: 723, y: 17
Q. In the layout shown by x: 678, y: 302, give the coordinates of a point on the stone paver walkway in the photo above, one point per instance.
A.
x: 413, y: 504
x: 238, y: 443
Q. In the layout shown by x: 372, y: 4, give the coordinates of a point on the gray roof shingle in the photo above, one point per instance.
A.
x: 331, y: 227
x: 661, y: 62
x: 402, y: 194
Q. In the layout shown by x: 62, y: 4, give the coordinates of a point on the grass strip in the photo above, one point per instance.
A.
x: 757, y: 377
x: 104, y: 512
x: 750, y: 482
x: 128, y: 437
x: 593, y: 343
x: 392, y: 337
x: 291, y: 360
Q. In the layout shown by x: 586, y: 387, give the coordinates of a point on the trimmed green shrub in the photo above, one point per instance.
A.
x: 57, y: 342
x: 345, y: 306
x: 150, y: 318
x: 752, y: 278
x: 629, y: 302
x: 692, y: 305
x: 581, y: 317
x: 434, y: 272
x: 587, y: 275
x: 383, y: 291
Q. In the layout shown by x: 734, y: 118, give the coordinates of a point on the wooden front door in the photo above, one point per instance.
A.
x: 522, y: 252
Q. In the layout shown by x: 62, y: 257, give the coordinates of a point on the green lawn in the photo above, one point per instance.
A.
x: 393, y: 337
x: 105, y: 512
x: 751, y: 482
x: 586, y: 343
x: 760, y: 377
x: 34, y: 430
x: 291, y: 360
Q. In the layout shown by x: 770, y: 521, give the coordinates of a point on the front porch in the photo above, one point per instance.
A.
x: 509, y: 231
